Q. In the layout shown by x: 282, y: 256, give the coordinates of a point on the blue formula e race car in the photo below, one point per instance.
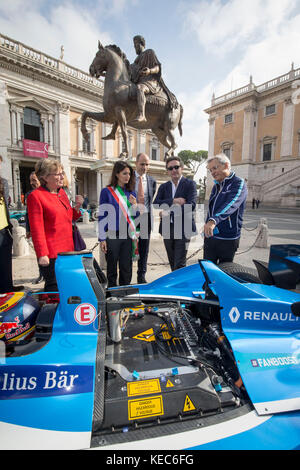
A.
x: 206, y: 357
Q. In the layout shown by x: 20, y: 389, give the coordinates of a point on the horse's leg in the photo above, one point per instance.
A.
x: 121, y: 117
x: 163, y: 139
x: 112, y: 134
x: 170, y: 135
x: 101, y: 117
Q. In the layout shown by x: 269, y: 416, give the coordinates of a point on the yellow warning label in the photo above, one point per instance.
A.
x: 145, y: 407
x: 147, y: 335
x: 143, y: 387
x: 169, y: 384
x: 188, y: 404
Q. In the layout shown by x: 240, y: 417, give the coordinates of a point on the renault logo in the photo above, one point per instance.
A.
x: 234, y: 314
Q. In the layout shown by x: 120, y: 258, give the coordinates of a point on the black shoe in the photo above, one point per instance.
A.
x: 141, y: 280
x: 38, y: 280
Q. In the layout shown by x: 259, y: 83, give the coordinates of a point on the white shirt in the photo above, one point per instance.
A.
x: 174, y: 188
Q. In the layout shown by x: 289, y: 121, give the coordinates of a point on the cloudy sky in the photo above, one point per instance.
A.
x: 204, y: 46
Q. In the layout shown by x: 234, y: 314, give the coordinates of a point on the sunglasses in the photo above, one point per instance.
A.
x: 175, y: 167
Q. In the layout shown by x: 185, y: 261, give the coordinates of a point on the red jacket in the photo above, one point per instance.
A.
x: 50, y: 218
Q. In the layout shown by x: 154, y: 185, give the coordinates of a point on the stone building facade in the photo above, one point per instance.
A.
x: 258, y: 128
x: 41, y: 102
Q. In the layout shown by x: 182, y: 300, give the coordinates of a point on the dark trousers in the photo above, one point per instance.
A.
x: 220, y: 251
x: 176, y: 250
x: 6, y: 242
x: 144, y: 242
x: 48, y: 273
x: 119, y: 251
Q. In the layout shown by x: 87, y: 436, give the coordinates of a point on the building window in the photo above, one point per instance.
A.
x: 267, y: 152
x: 270, y: 109
x: 227, y: 149
x: 227, y: 152
x: 228, y: 119
x: 32, y: 126
x: 154, y: 154
x: 86, y: 144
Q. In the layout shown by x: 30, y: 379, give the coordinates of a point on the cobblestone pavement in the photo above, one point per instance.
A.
x: 282, y: 228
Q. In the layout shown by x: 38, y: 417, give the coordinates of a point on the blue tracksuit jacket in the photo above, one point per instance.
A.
x: 226, y: 207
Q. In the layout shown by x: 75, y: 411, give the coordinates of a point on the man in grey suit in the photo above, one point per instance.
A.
x: 145, y: 190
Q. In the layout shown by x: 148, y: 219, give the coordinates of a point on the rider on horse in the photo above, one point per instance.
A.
x: 146, y: 74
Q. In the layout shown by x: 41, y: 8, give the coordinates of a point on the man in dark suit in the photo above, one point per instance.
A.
x: 177, y: 198
x: 145, y: 189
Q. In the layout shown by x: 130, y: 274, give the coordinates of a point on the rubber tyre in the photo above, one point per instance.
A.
x: 239, y: 271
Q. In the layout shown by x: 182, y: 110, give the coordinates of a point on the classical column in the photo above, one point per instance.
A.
x: 141, y: 141
x: 211, y: 138
x: 51, y: 129
x: 287, y: 128
x: 45, y: 123
x: 64, y: 133
x: 249, y: 133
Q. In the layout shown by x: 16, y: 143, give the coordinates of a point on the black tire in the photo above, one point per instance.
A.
x: 240, y: 272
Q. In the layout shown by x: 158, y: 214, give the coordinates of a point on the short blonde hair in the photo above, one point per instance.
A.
x: 45, y: 167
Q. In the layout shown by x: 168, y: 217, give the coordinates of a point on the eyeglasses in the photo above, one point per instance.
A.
x: 175, y: 167
x: 58, y: 175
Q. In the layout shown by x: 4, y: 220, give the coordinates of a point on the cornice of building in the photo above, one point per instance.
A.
x: 252, y: 91
x: 22, y: 59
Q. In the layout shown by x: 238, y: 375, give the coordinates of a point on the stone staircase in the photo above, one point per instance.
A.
x: 282, y: 187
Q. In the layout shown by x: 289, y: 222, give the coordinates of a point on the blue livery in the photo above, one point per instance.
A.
x: 206, y: 357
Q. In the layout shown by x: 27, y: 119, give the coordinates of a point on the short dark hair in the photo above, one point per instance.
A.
x: 178, y: 159
x: 119, y: 166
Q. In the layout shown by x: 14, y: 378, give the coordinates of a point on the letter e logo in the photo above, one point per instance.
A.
x: 85, y: 314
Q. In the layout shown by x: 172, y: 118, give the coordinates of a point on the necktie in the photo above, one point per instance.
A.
x: 141, y: 195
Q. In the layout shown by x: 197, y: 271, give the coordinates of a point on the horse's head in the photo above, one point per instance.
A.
x: 110, y: 56
x: 99, y: 64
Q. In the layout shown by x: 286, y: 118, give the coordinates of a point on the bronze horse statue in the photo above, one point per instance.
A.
x: 120, y: 104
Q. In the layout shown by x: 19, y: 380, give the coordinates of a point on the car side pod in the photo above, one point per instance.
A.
x: 78, y: 308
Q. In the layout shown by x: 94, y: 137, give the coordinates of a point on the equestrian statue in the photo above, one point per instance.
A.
x: 135, y: 94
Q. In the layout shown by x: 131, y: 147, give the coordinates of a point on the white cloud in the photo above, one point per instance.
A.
x: 195, y: 120
x: 267, y: 59
x: 72, y: 25
x: 222, y: 27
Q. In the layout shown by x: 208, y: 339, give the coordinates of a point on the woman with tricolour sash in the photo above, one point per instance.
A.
x: 117, y: 231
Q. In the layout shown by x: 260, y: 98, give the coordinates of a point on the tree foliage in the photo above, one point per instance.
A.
x: 193, y: 160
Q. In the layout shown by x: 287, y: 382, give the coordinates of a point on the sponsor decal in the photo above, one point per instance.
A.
x: 85, y: 314
x: 18, y: 382
x: 7, y: 326
x: 275, y: 361
x: 235, y: 315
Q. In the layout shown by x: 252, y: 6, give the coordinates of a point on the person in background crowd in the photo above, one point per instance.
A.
x: 224, y: 220
x: 6, y: 241
x: 116, y: 223
x: 50, y: 217
x: 178, y: 193
x: 145, y: 188
x: 85, y: 201
x: 34, y: 183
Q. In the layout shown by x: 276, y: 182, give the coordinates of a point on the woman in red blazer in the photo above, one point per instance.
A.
x: 50, y: 218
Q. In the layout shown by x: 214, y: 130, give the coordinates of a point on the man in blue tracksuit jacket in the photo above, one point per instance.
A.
x: 227, y: 201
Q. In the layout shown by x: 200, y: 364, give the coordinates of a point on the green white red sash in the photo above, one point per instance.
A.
x: 125, y: 206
